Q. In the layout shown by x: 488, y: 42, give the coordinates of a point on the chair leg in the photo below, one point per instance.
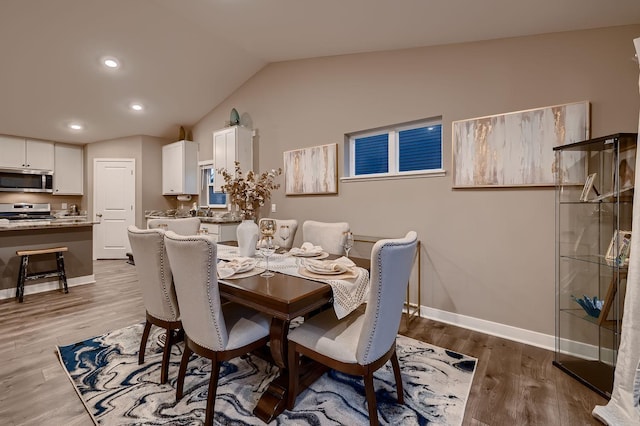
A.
x: 396, y: 372
x: 143, y: 342
x: 183, y: 370
x: 294, y: 360
x: 62, y: 274
x: 166, y: 354
x: 211, y: 396
x: 22, y: 277
x: 371, y: 398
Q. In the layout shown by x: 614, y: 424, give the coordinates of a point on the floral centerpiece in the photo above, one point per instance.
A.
x: 251, y: 191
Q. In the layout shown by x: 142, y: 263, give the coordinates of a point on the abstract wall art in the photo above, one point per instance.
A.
x: 516, y: 148
x: 311, y: 170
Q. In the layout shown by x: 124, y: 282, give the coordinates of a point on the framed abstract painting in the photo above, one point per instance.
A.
x: 516, y: 149
x: 311, y: 170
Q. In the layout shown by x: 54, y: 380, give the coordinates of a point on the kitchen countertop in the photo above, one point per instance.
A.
x: 46, y: 224
x: 203, y: 219
x: 209, y: 219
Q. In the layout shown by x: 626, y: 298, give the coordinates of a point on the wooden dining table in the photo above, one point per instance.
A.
x: 283, y: 297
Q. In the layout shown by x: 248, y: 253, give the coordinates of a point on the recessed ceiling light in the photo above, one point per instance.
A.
x: 111, y: 62
x: 137, y: 107
x: 75, y: 126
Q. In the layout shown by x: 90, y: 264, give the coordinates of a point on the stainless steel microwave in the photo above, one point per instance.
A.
x: 26, y: 180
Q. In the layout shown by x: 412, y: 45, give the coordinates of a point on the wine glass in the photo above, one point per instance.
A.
x: 348, y: 242
x: 267, y: 227
x: 267, y: 248
x: 284, y: 233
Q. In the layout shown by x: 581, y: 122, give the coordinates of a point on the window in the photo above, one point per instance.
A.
x: 404, y: 149
x: 208, y: 197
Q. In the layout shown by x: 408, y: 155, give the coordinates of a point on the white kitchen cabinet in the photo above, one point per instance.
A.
x: 180, y: 168
x: 21, y: 153
x: 221, y: 231
x: 230, y: 145
x: 68, y: 173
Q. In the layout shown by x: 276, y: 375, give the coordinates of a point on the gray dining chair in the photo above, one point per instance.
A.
x: 213, y: 330
x: 158, y: 293
x: 329, y: 235
x: 182, y: 226
x: 364, y: 340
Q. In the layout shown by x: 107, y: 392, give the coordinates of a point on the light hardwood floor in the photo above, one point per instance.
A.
x: 514, y: 384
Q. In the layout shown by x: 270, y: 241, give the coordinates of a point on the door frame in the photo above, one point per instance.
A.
x: 128, y: 160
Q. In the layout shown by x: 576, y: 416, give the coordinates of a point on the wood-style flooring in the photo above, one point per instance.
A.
x: 514, y: 384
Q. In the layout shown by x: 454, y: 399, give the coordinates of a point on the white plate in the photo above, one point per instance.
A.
x: 320, y: 255
x: 249, y: 266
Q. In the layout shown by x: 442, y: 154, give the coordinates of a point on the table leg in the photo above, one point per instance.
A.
x: 274, y: 399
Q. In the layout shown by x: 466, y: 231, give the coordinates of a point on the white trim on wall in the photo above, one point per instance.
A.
x: 516, y: 334
x: 521, y: 335
x: 10, y: 293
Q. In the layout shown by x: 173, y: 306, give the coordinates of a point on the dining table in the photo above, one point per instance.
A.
x: 283, y: 297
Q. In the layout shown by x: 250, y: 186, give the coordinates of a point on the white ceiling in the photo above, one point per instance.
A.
x: 181, y: 58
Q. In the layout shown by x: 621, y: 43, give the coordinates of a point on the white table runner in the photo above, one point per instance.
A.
x: 347, y: 294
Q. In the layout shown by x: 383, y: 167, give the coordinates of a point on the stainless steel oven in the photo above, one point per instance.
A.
x: 25, y: 212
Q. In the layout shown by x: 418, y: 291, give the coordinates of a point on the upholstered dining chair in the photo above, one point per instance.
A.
x: 364, y: 340
x: 326, y: 234
x: 158, y: 293
x: 277, y: 238
x: 213, y: 330
x: 182, y: 226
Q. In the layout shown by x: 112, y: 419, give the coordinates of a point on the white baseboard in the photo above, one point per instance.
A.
x: 10, y: 293
x: 521, y: 335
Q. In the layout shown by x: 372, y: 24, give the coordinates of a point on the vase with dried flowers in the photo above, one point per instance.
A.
x: 249, y: 192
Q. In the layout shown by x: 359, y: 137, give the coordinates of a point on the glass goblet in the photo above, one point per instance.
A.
x: 267, y: 227
x: 348, y: 242
x: 267, y: 248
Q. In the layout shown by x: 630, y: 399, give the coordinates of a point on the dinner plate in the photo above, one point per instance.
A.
x: 350, y: 274
x: 249, y: 273
x: 249, y: 266
x: 323, y: 271
x: 320, y: 255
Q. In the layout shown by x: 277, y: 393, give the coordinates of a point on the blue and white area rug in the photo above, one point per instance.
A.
x: 118, y: 391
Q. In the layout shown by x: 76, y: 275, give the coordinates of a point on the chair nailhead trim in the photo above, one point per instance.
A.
x: 379, y: 293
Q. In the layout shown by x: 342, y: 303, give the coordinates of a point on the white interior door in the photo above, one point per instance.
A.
x: 114, y: 191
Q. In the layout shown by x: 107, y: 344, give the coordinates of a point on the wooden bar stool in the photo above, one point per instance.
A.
x: 23, y: 275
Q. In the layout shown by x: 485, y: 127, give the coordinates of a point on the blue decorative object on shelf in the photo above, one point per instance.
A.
x: 235, y: 117
x: 591, y: 306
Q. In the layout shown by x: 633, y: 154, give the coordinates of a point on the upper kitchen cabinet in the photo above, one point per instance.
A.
x: 68, y: 175
x: 21, y: 153
x: 230, y: 145
x: 180, y: 168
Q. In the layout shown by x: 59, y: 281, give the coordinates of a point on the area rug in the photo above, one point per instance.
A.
x: 117, y: 391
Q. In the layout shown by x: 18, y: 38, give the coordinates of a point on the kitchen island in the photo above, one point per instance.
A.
x: 76, y: 234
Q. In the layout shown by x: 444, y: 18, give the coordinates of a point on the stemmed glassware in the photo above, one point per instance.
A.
x: 284, y: 232
x: 267, y: 227
x: 267, y: 248
x: 348, y: 242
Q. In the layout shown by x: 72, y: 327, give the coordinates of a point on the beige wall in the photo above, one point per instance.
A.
x: 151, y: 193
x: 487, y: 254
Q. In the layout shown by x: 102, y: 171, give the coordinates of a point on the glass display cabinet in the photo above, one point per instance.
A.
x: 594, y: 200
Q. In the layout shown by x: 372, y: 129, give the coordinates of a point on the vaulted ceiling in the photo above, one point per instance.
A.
x: 181, y: 58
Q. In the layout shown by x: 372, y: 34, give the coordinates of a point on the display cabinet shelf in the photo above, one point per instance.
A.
x: 593, y: 234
